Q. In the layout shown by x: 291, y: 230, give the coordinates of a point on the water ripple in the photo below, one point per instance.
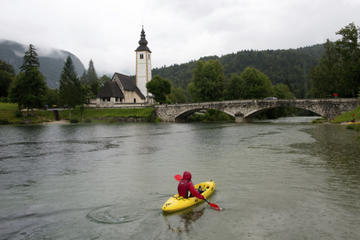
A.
x: 114, y: 214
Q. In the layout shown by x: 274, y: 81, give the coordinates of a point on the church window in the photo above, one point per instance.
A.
x: 141, y: 56
x: 149, y: 56
x: 134, y: 100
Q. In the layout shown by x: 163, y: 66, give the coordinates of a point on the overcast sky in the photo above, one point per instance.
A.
x: 178, y: 31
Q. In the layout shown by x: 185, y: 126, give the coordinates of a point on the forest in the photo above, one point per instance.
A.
x: 290, y: 67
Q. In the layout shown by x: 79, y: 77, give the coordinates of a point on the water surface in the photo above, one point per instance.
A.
x: 282, y: 179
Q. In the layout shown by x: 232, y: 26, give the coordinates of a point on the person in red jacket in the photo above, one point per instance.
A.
x: 185, y: 185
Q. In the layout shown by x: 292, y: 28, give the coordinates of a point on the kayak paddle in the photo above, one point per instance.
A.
x: 213, y: 205
x: 178, y: 177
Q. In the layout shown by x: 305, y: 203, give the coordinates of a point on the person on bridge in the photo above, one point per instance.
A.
x: 185, y: 186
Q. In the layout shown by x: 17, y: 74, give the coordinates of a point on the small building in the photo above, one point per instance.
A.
x: 124, y: 90
x: 121, y: 89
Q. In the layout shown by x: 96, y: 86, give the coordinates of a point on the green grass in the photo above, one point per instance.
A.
x: 8, y: 106
x: 9, y: 114
x: 108, y: 114
x: 348, y: 116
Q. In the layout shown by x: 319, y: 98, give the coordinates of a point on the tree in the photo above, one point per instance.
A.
x: 103, y: 79
x: 208, y: 81
x: 29, y: 87
x: 234, y: 88
x: 339, y: 68
x: 177, y: 95
x: 52, y: 97
x: 71, y: 93
x: 326, y: 76
x: 282, y: 91
x: 159, y: 87
x: 257, y: 84
x: 92, y: 79
x: 7, y: 75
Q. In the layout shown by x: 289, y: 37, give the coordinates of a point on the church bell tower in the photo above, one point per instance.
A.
x: 143, y: 64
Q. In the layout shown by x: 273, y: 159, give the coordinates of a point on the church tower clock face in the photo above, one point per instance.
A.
x: 143, y: 64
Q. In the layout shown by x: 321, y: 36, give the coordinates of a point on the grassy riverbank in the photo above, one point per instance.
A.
x: 109, y: 115
x: 348, y: 117
x: 9, y: 114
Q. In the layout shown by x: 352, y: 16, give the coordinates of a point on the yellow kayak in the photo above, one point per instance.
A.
x: 177, y: 203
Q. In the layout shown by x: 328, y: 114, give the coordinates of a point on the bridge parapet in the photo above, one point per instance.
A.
x: 241, y: 109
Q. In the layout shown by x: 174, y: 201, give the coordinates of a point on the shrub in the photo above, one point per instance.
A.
x: 4, y: 121
x: 18, y: 113
x: 4, y: 99
x: 74, y: 120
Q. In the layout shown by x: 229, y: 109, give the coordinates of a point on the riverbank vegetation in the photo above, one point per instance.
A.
x: 351, y: 119
x: 353, y: 115
x: 10, y: 114
x: 109, y: 114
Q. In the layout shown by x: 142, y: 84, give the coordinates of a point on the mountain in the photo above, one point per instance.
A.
x: 289, y: 66
x: 51, y: 60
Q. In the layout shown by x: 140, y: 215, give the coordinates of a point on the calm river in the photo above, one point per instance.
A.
x: 284, y: 179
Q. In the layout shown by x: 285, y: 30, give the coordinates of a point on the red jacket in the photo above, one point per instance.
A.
x: 185, y: 185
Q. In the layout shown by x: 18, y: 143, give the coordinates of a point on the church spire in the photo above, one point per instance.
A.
x: 142, y: 42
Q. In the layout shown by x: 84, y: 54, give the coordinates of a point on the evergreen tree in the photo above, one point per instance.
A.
x: 29, y: 87
x: 7, y: 76
x: 92, y: 79
x: 103, y: 79
x: 30, y: 60
x: 70, y: 91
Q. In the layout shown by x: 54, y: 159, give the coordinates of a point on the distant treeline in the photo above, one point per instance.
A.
x: 290, y: 67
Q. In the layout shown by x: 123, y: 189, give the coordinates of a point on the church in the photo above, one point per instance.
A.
x: 124, y: 90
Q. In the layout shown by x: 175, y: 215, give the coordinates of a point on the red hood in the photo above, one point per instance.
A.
x: 187, y: 176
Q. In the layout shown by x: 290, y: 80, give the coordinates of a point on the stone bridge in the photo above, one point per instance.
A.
x: 242, y: 109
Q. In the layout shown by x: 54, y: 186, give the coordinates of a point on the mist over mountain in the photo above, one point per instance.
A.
x: 51, y: 60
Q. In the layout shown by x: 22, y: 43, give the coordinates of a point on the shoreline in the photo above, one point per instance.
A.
x: 56, y: 122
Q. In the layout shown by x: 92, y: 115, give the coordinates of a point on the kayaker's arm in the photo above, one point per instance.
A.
x: 194, y: 192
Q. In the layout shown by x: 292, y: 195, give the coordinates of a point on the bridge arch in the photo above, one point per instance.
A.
x: 182, y: 115
x: 260, y: 110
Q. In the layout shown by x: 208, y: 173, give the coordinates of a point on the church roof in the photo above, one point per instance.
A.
x: 142, y: 42
x: 110, y: 89
x: 129, y: 84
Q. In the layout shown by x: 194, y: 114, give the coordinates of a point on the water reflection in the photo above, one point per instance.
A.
x: 339, y: 148
x: 187, y: 218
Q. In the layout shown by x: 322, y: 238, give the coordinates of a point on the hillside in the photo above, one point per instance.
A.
x: 51, y: 62
x: 282, y: 66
